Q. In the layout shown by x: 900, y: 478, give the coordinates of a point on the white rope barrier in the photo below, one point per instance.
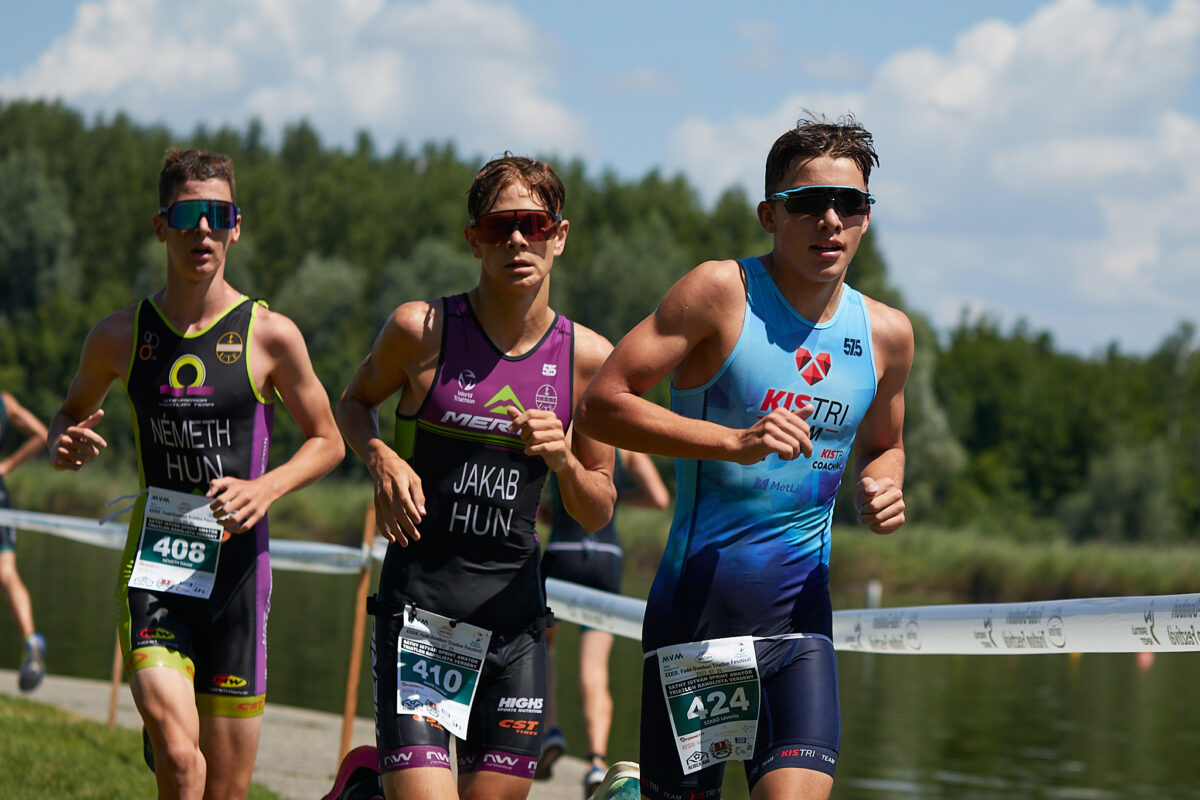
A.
x: 1160, y: 623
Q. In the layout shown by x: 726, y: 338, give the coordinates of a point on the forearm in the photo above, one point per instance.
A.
x: 26, y: 451
x: 359, y: 424
x: 630, y: 422
x: 887, y: 463
x: 587, y: 495
x: 315, y: 458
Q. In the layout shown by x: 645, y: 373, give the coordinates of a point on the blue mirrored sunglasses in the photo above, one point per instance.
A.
x: 184, y: 215
x: 815, y: 200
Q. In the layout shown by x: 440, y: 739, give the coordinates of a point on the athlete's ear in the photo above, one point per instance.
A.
x: 560, y: 237
x: 766, y: 215
x: 472, y: 242
x: 160, y: 227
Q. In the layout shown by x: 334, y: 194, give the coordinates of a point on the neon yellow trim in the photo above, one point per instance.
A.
x: 133, y: 346
x: 198, y: 333
x: 459, y: 433
x: 150, y: 657
x: 220, y: 705
x: 249, y: 339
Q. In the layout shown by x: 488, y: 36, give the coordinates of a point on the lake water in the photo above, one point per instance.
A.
x: 1061, y: 727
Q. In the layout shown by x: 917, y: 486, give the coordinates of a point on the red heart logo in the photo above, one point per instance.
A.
x: 812, y: 369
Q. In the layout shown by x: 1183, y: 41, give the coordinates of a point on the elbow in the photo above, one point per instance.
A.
x: 585, y: 415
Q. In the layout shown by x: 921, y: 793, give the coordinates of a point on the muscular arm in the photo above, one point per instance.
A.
x: 282, y: 357
x: 24, y: 420
x: 585, y: 472
x: 879, y: 457
x: 405, y: 347
x: 690, y: 334
x: 104, y: 359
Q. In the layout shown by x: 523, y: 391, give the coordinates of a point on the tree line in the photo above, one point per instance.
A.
x: 1004, y: 432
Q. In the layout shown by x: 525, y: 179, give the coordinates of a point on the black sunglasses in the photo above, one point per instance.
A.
x: 184, y: 215
x: 815, y: 200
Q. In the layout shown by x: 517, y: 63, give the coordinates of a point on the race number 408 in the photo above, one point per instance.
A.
x: 180, y: 549
x: 719, y: 704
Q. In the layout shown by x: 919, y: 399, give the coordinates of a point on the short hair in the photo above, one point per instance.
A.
x: 537, y: 176
x: 845, y: 138
x: 180, y: 166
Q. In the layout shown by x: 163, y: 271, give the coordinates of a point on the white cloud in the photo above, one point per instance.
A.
x: 645, y: 80
x: 468, y: 70
x: 1054, y: 153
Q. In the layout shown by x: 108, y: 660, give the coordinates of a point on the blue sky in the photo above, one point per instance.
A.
x: 1040, y: 160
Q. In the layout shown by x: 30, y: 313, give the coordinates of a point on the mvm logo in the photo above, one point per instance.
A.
x: 672, y: 657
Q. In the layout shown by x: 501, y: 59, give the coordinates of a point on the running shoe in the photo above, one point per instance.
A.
x: 591, y: 779
x: 358, y: 776
x: 623, y: 781
x: 34, y: 669
x: 554, y: 744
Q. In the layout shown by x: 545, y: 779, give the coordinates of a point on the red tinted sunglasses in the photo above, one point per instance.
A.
x: 535, y: 224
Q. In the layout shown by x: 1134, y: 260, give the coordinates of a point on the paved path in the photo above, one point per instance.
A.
x: 298, y: 752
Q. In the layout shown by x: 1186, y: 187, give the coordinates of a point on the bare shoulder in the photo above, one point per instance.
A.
x: 109, y: 343
x: 591, y: 349
x: 706, y: 292
x: 275, y: 330
x: 891, y: 333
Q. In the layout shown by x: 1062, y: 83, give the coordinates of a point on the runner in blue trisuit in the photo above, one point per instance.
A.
x: 775, y: 364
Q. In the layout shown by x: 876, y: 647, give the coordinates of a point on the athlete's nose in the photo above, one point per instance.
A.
x: 830, y: 219
x: 516, y: 239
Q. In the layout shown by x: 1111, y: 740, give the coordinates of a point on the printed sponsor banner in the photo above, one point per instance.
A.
x: 712, y: 695
x: 1100, y: 625
x: 437, y: 668
x: 179, y: 545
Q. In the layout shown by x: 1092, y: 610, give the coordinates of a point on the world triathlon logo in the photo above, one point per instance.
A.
x: 186, y: 378
x: 813, y: 368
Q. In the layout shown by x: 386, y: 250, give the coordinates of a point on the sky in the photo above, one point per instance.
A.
x: 1039, y: 161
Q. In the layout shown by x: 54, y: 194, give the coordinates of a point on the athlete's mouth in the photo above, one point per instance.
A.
x: 828, y: 247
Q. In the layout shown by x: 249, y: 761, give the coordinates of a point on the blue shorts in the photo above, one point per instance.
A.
x: 799, y: 724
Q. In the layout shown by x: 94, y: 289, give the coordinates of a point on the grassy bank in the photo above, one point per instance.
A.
x: 922, y: 561
x: 45, y: 752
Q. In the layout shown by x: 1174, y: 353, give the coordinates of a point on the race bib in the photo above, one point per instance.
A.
x: 712, y: 695
x: 179, y: 545
x: 437, y: 668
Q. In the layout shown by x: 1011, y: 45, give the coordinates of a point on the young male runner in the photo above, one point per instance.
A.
x: 202, y: 364
x: 487, y: 381
x: 775, y: 363
x: 33, y: 669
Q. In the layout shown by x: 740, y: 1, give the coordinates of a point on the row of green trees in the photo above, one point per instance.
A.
x: 1003, y: 431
